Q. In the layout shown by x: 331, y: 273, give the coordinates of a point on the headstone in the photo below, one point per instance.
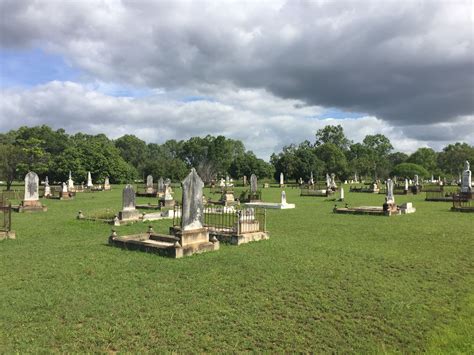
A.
x: 406, y: 185
x: 301, y: 181
x: 129, y: 211
x: 253, y: 183
x: 390, y: 197
x: 283, y: 198
x: 149, y: 181
x: 161, y: 185
x: 342, y: 194
x: 70, y: 182
x: 333, y: 181
x: 193, y: 209
x: 244, y: 180
x: 64, y: 187
x: 128, y: 198
x: 107, y: 183
x: 31, y: 187
x: 222, y: 183
x: 167, y: 182
x: 282, y: 179
x: 311, y: 179
x: 328, y: 181
x: 89, y: 179
x: 47, y: 188
x: 466, y: 185
x: 356, y: 178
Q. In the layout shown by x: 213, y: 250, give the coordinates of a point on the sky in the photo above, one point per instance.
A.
x: 269, y: 73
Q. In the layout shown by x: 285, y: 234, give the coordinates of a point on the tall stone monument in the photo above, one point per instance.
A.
x: 161, y: 185
x: 406, y: 186
x: 333, y: 184
x: 282, y: 180
x: 70, y: 182
x: 390, y: 199
x: 31, y: 201
x: 466, y: 185
x: 129, y: 211
x: 253, y: 183
x: 311, y: 179
x: 328, y: 181
x: 89, y: 180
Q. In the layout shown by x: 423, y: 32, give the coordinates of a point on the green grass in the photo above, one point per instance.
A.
x: 323, y: 282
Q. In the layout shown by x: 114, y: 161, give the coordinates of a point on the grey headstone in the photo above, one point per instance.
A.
x: 193, y: 209
x: 31, y: 187
x: 161, y: 185
x: 167, y: 182
x: 128, y: 198
x: 466, y: 185
x: 253, y: 183
x: 149, y: 181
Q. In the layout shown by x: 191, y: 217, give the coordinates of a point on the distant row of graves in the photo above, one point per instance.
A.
x: 230, y: 219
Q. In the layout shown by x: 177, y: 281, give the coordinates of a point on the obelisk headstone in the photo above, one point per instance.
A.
x: 89, y: 179
x: 70, y: 182
x: 282, y: 180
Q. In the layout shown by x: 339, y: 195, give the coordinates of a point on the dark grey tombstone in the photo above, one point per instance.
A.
x: 193, y: 209
x: 253, y: 183
x: 161, y: 185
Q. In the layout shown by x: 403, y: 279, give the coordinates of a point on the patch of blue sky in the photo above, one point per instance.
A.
x: 340, y: 114
x: 25, y: 68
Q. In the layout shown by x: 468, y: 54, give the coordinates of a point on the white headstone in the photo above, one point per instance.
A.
x: 328, y: 180
x: 466, y: 185
x: 107, y: 183
x: 89, y: 179
x: 149, y: 181
x: 193, y: 209
x: 390, y: 197
x: 417, y: 180
x: 282, y: 179
x: 64, y: 187
x: 342, y: 194
x: 406, y: 185
x: 47, y: 188
x: 70, y: 182
x: 31, y: 187
x: 283, y: 198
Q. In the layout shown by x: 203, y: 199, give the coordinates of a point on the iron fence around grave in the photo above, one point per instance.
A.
x: 5, y: 214
x: 438, y: 195
x: 228, y: 220
x: 463, y: 201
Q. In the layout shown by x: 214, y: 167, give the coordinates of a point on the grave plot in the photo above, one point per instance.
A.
x: 389, y: 208
x: 31, y: 202
x: 283, y: 205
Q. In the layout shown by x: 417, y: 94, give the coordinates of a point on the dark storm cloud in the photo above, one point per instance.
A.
x: 408, y: 63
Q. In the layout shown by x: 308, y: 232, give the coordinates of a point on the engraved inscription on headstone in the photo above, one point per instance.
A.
x: 128, y: 198
x: 192, y: 214
x: 31, y: 186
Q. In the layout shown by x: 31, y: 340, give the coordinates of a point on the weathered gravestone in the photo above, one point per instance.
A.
x: 149, y: 184
x: 31, y: 201
x: 70, y: 182
x: 390, y: 199
x: 129, y: 211
x: 107, y: 184
x: 282, y: 180
x: 161, y: 185
x: 466, y: 185
x: 253, y: 184
x: 244, y: 180
x: 193, y: 208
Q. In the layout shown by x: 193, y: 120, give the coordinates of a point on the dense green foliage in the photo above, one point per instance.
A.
x: 55, y: 153
x: 323, y: 283
x: 409, y: 170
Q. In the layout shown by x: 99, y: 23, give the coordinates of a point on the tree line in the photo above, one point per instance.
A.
x: 54, y: 153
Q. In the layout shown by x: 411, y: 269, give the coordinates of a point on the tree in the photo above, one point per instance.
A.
x: 451, y: 159
x: 334, y: 135
x: 426, y: 157
x: 11, y: 157
x: 248, y: 164
x: 409, y: 170
x: 334, y: 159
x: 133, y: 150
x: 378, y: 147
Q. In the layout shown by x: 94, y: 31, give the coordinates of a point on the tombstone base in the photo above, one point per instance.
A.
x: 65, y: 196
x: 31, y: 206
x: 243, y: 238
x: 194, y: 241
x: 7, y: 235
x: 167, y: 203
x: 125, y: 216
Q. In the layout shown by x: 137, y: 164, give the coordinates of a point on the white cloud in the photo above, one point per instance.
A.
x: 262, y: 121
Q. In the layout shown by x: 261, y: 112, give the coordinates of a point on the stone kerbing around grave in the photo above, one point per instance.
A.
x: 189, y: 238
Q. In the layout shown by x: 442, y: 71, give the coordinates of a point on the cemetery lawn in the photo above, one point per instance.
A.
x: 323, y: 283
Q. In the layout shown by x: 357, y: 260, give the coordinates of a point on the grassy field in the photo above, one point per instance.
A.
x: 322, y: 283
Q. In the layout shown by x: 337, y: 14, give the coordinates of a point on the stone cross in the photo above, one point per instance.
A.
x: 283, y: 198
x: 31, y: 187
x: 466, y: 185
x: 161, y: 185
x: 390, y: 198
x: 193, y: 209
x: 149, y: 181
x: 253, y: 183
x: 128, y: 198
x: 89, y: 179
x: 282, y: 179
